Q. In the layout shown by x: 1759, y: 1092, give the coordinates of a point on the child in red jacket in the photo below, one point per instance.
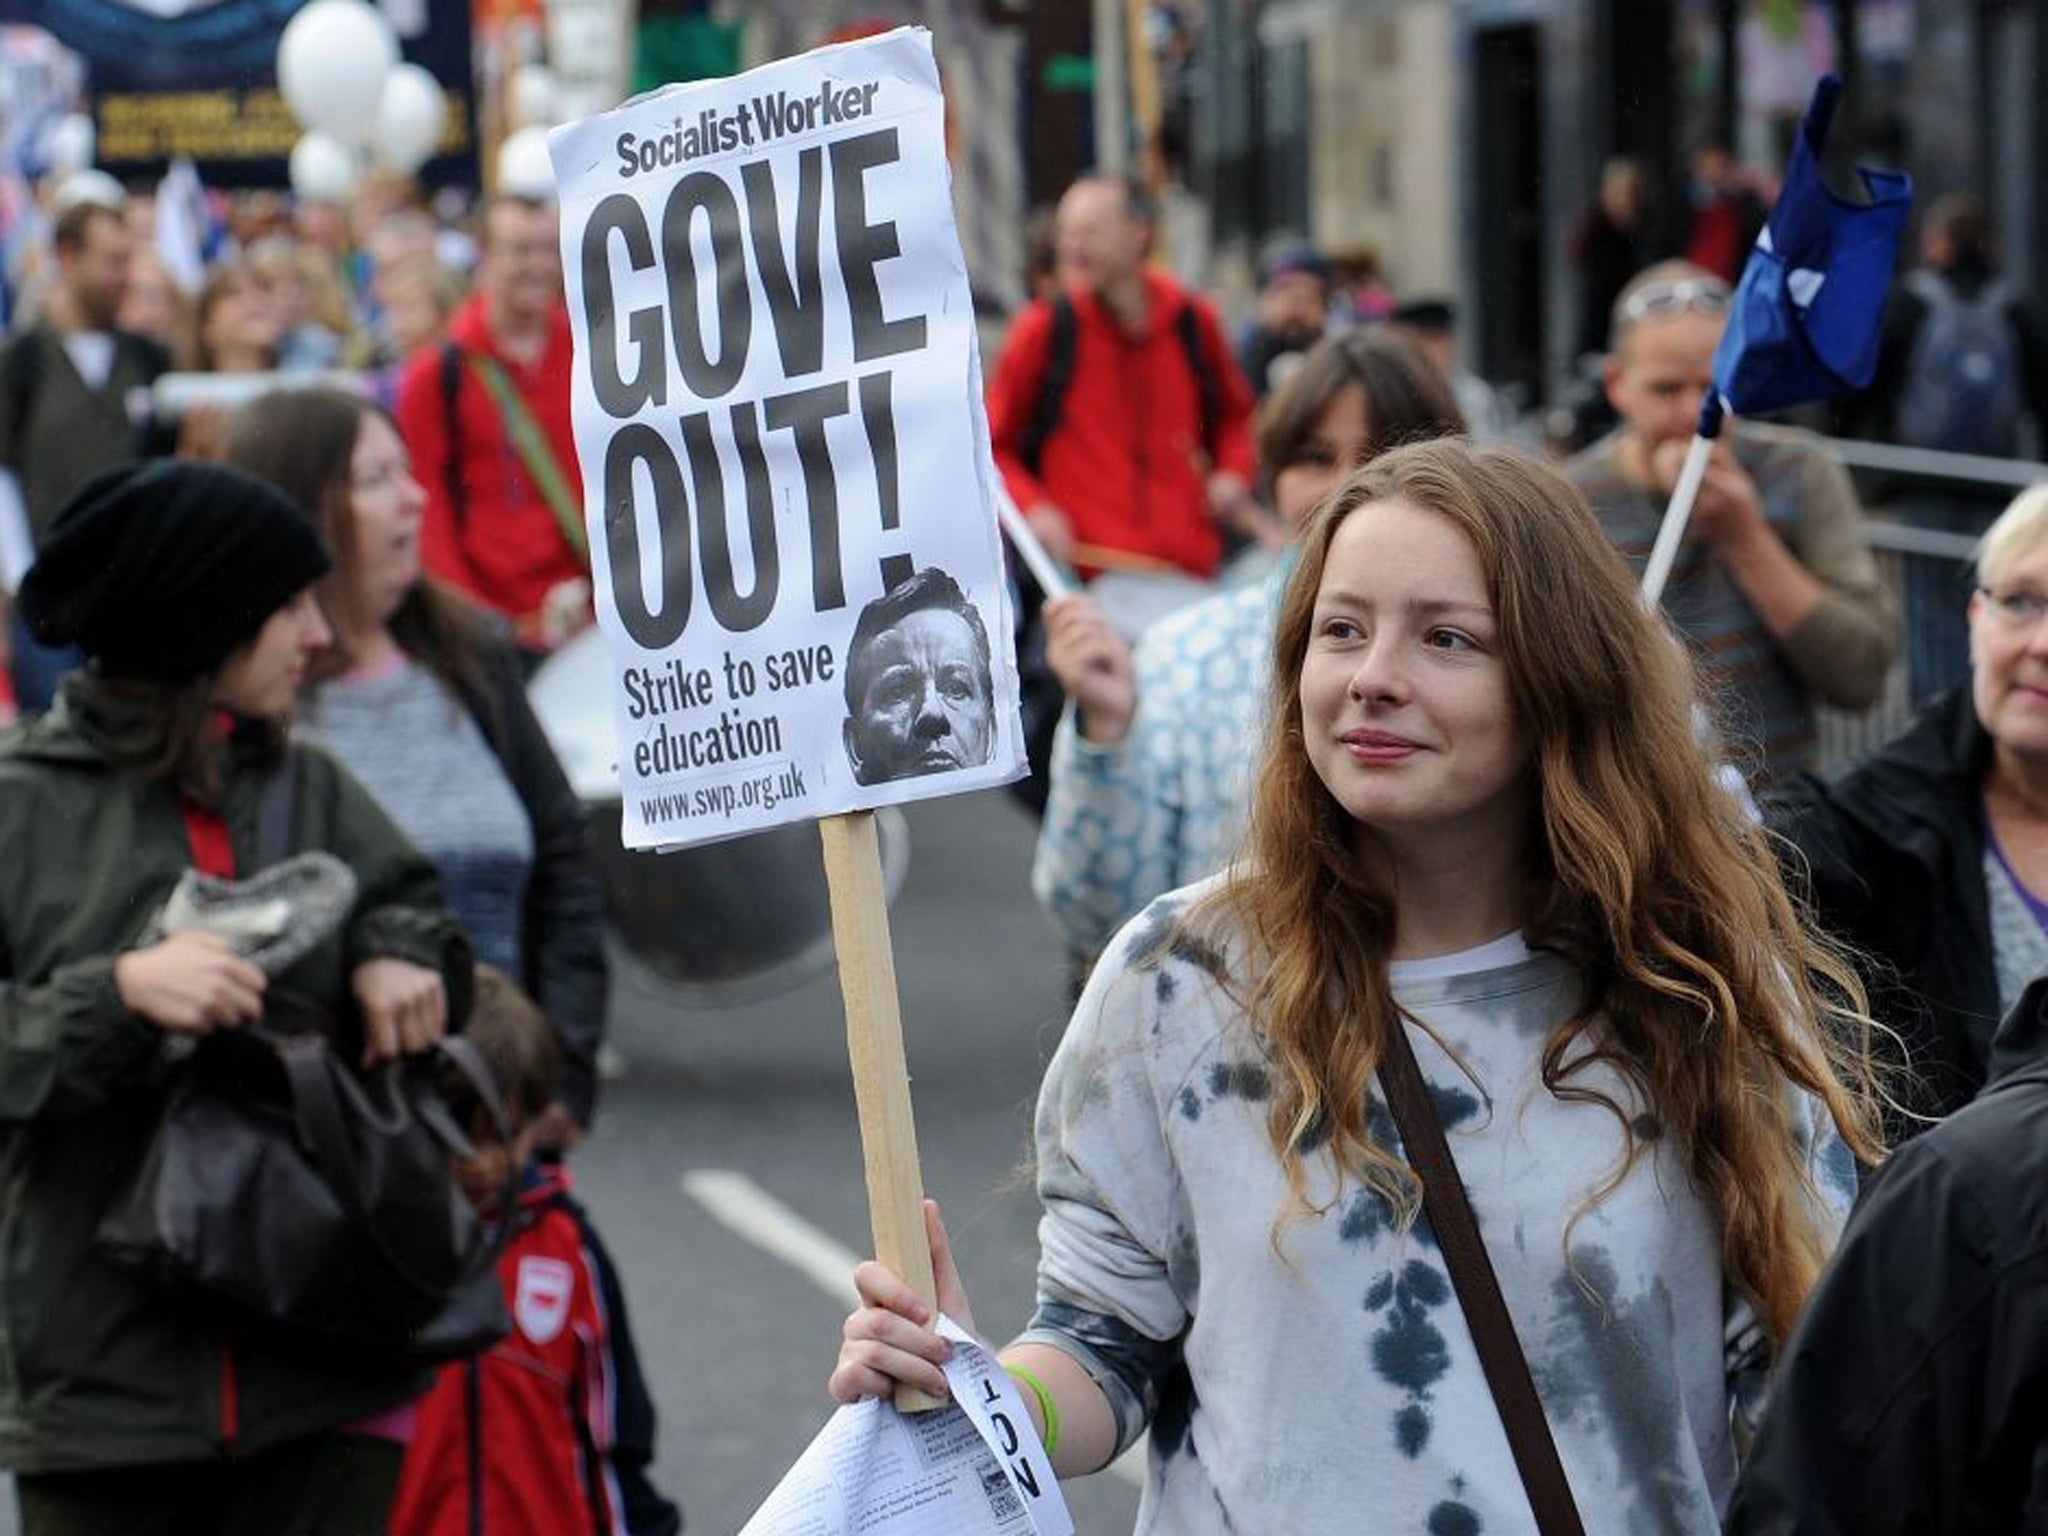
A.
x: 8, y: 711
x: 548, y: 1432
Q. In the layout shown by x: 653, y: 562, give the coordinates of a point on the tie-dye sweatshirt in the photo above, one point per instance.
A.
x: 1333, y: 1388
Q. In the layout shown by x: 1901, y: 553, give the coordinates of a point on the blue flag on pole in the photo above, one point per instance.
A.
x: 1807, y: 317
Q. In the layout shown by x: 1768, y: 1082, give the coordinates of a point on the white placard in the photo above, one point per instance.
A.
x: 784, y: 453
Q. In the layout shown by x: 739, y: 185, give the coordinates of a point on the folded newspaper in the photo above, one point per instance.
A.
x: 972, y: 1468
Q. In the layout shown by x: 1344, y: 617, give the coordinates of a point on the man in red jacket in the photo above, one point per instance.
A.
x: 486, y: 418
x: 1119, y: 418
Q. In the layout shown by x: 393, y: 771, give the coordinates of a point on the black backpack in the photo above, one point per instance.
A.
x: 1962, y: 382
x: 1059, y: 375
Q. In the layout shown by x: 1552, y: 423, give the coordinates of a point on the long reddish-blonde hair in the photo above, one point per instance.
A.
x: 1704, y: 988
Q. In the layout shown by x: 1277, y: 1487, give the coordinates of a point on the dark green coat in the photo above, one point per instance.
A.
x: 95, y: 1369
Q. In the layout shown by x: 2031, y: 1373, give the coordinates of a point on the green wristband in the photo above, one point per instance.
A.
x: 1046, y: 1410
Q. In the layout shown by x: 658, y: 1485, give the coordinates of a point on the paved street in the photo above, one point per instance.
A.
x: 738, y: 1342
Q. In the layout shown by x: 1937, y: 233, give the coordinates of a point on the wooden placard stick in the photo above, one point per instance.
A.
x: 874, y: 1040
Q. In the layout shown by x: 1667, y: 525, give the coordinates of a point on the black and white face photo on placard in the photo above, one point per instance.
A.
x: 920, y: 698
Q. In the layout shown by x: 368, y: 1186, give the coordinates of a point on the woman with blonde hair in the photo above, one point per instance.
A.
x: 1930, y: 855
x: 303, y: 287
x: 1487, y: 852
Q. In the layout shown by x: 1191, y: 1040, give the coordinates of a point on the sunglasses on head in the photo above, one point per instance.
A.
x: 1697, y: 295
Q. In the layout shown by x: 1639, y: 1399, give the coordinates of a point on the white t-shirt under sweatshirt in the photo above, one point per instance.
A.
x: 1334, y: 1388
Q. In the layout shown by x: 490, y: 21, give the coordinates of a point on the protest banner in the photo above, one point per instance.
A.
x: 788, y: 490
x: 198, y: 79
x: 783, y: 449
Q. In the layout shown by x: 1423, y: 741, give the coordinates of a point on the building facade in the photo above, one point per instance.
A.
x: 1462, y: 138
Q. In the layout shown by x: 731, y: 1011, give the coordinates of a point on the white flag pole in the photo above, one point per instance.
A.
x: 1678, y: 513
x: 1671, y: 533
x: 1045, y: 570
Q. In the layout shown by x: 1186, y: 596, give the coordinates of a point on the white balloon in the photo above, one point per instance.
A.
x: 323, y: 169
x: 532, y: 97
x: 331, y: 66
x: 524, y: 169
x: 68, y: 144
x: 410, y: 116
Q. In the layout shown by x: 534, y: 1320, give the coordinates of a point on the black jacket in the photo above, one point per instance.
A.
x: 563, y: 939
x: 1891, y: 852
x: 1914, y: 1396
x: 56, y: 431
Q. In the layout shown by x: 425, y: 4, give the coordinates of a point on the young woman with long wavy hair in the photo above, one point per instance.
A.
x: 1482, y: 816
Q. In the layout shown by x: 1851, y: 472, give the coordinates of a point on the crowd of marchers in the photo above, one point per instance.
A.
x: 1358, y: 762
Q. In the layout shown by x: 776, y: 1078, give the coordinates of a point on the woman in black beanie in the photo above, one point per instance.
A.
x: 188, y: 588
x: 419, y: 692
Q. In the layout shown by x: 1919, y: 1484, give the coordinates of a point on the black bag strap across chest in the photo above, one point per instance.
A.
x: 1478, y: 1289
x: 275, y: 803
x: 1058, y: 378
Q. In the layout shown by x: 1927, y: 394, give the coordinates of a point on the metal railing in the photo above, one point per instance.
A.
x: 1890, y: 477
x: 1931, y: 464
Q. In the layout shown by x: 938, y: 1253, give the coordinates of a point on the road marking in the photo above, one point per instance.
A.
x: 744, y: 1207
x: 768, y: 1224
